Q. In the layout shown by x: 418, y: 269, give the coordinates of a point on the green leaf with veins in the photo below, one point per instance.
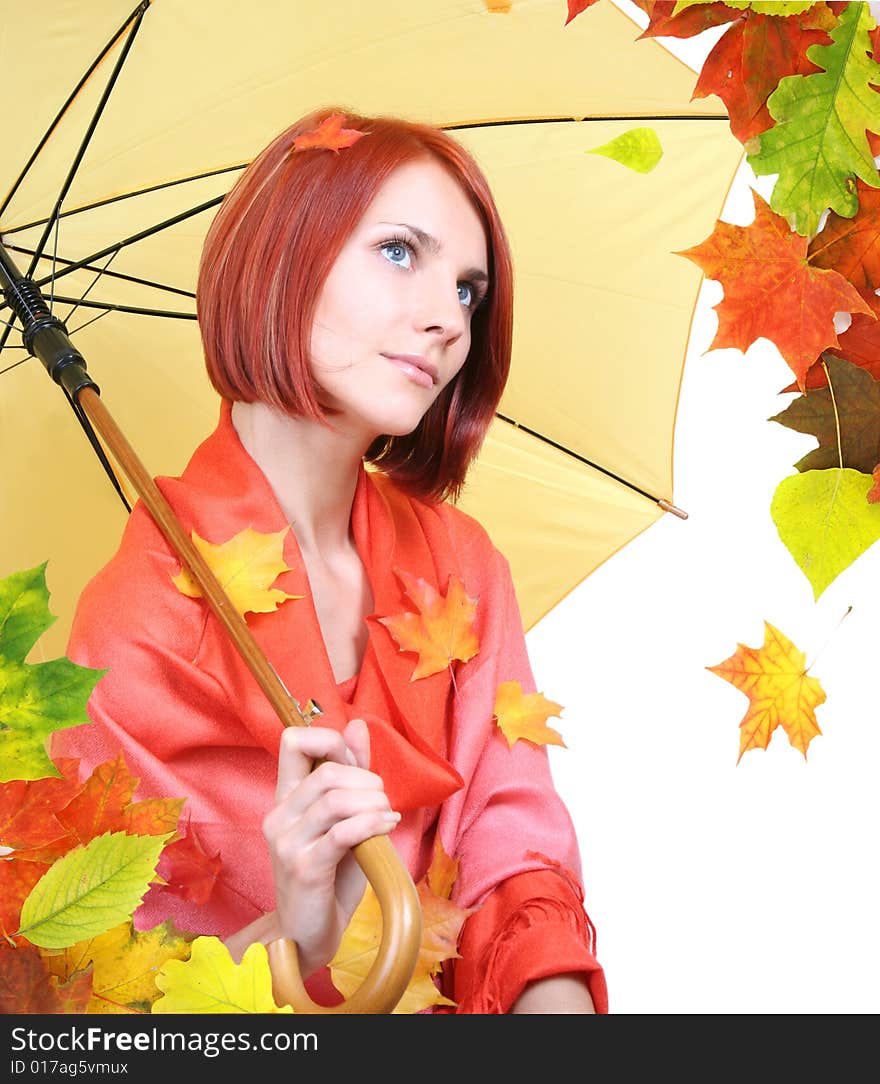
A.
x: 819, y: 144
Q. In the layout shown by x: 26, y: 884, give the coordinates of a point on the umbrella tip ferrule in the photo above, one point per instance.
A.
x: 667, y: 506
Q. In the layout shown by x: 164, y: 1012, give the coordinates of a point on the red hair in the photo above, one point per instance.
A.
x: 266, y: 257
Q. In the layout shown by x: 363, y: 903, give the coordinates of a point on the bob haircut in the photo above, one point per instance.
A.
x: 267, y: 255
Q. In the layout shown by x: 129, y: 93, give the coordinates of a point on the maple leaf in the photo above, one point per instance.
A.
x: 851, y: 246
x: 442, y: 872
x: 123, y: 964
x: 17, y: 879
x: 104, y: 804
x: 28, y: 987
x: 28, y: 808
x: 818, y: 145
x: 442, y: 630
x: 825, y: 521
x: 772, y: 291
x: 523, y: 716
x: 441, y: 927
x: 854, y: 406
x: 576, y: 7
x: 211, y: 982
x: 91, y: 889
x: 35, y: 699
x: 779, y: 690
x: 188, y: 870
x: 752, y: 56
x: 329, y: 135
x: 246, y: 565
x: 859, y: 344
x: 665, y: 22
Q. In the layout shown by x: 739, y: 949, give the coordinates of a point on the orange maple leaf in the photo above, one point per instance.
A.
x: 524, y: 715
x: 442, y: 630
x: 772, y: 290
x: 245, y: 565
x: 329, y: 135
x: 774, y: 679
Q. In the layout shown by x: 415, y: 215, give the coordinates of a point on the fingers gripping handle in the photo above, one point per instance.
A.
x: 393, y: 967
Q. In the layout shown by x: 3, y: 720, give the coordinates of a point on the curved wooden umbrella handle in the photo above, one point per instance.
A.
x: 398, y: 899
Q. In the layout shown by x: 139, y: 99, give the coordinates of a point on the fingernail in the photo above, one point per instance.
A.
x: 392, y: 818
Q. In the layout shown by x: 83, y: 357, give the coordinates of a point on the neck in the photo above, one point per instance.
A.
x: 312, y: 469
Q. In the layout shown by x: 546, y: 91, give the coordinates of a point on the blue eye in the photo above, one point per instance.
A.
x: 469, y: 299
x: 397, y: 252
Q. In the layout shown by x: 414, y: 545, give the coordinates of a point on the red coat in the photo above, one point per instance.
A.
x: 192, y: 722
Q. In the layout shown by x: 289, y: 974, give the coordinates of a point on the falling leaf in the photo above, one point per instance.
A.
x: 35, y: 699
x: 576, y: 7
x: 441, y: 927
x: 28, y: 986
x: 329, y: 135
x: 818, y: 145
x: 443, y: 629
x: 771, y: 290
x: 123, y: 964
x: 211, y: 982
x: 524, y: 715
x: 752, y: 56
x: 856, y: 397
x: 825, y: 521
x: 246, y: 566
x: 780, y: 692
x: 638, y: 149
x: 90, y: 890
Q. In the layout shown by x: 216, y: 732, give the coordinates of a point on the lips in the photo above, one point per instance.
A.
x: 417, y: 367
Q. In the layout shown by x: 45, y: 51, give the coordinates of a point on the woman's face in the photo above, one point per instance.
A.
x: 393, y: 321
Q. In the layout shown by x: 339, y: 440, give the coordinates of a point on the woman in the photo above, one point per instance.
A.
x: 354, y: 302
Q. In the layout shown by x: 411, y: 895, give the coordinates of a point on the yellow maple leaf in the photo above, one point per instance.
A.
x: 442, y: 630
x: 441, y: 926
x: 441, y: 876
x: 246, y: 565
x: 524, y: 715
x: 774, y: 679
x: 211, y: 982
x: 124, y: 964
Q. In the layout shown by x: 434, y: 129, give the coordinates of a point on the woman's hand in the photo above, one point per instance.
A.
x: 318, y: 817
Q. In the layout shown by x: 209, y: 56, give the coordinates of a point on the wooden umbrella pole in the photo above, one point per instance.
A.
x: 398, y: 899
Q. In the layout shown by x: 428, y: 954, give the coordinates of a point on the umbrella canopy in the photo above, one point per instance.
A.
x: 191, y: 90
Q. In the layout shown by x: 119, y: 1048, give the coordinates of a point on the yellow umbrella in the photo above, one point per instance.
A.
x: 190, y: 89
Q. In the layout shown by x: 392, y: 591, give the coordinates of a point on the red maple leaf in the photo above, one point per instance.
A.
x: 188, y: 870
x: 772, y: 290
x: 329, y: 135
x: 28, y: 807
x: 28, y: 987
x: 747, y: 62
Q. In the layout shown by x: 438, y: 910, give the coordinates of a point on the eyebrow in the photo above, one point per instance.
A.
x: 430, y: 242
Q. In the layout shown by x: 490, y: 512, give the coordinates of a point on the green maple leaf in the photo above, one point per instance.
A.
x: 825, y: 521
x: 818, y: 145
x: 854, y: 400
x: 35, y: 699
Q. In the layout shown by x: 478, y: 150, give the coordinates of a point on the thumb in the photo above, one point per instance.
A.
x: 357, y: 738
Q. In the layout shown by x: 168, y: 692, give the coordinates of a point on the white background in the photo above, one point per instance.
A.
x: 719, y: 887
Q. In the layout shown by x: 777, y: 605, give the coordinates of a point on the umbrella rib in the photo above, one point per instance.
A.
x: 465, y: 125
x: 107, y: 306
x: 580, y: 458
x: 90, y: 131
x: 71, y: 98
x: 125, y: 195
x: 110, y: 274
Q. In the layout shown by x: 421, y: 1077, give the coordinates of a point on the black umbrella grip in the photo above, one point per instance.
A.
x: 43, y: 334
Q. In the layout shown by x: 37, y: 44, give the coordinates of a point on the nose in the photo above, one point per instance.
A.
x: 440, y: 310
